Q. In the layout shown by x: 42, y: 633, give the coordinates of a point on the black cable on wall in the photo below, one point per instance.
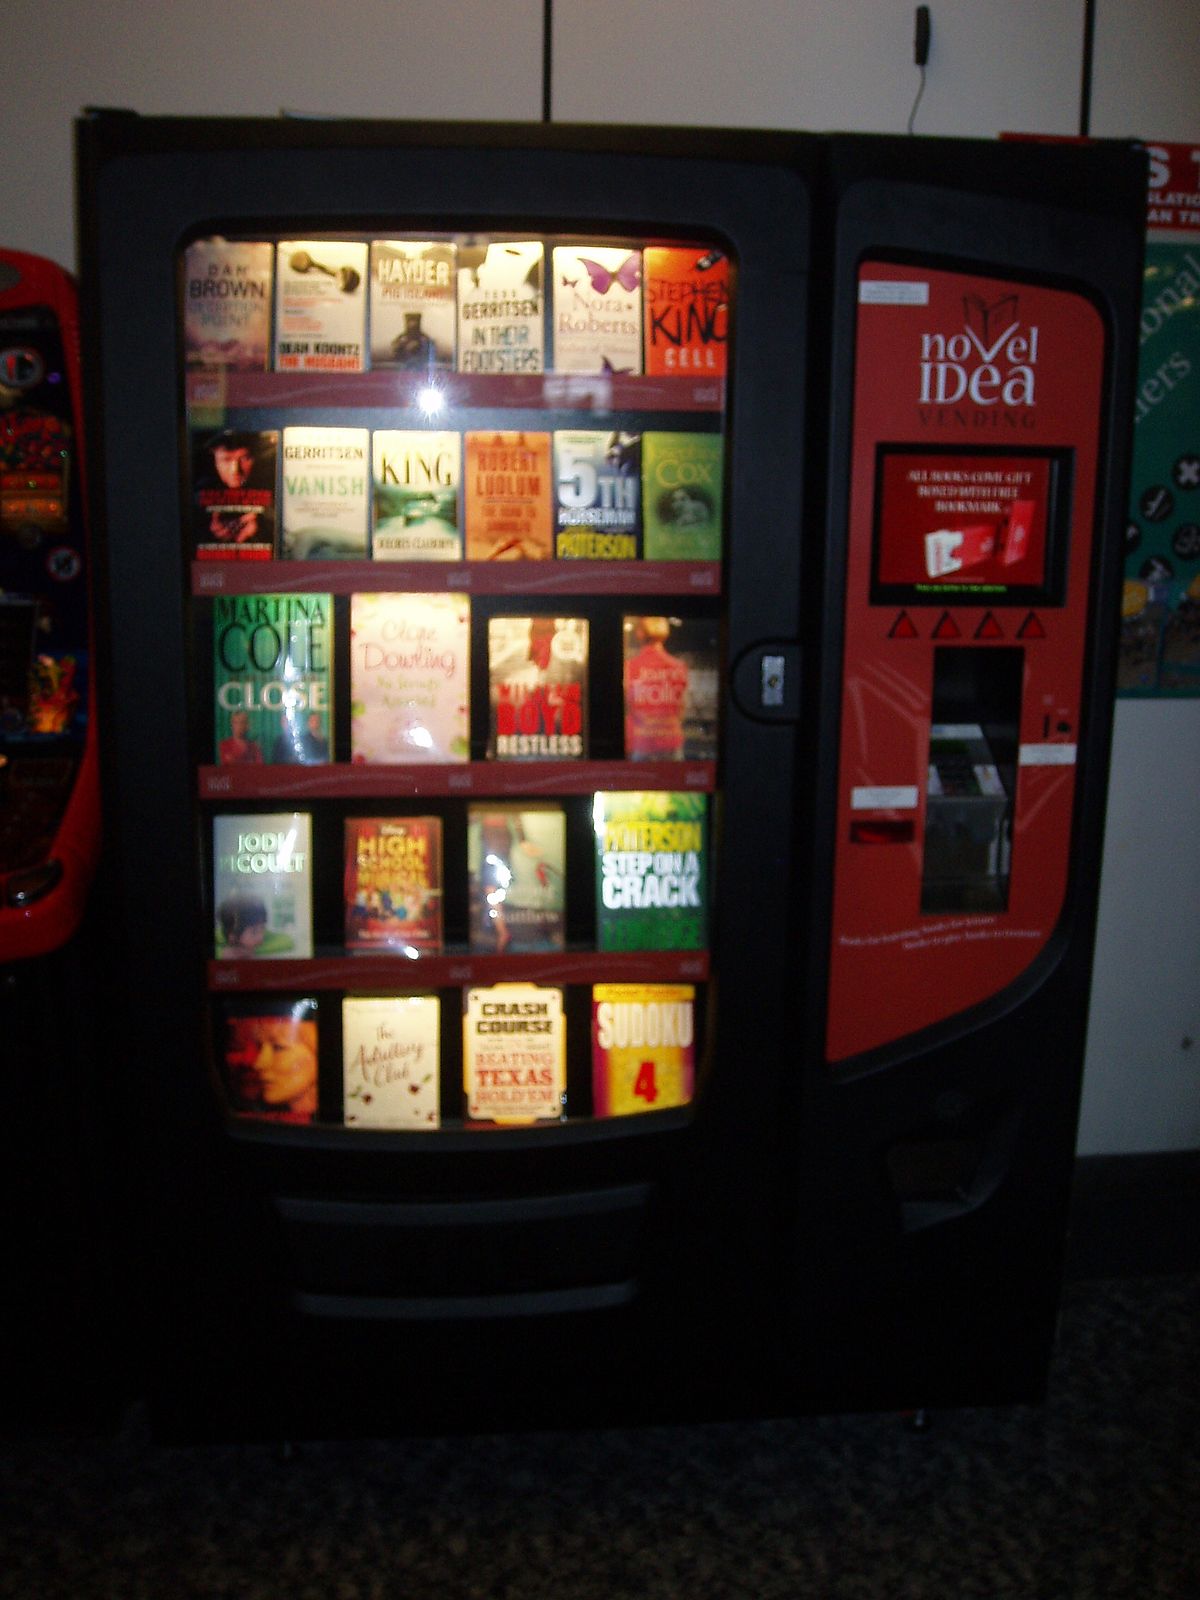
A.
x: 547, y: 55
x: 1085, y: 87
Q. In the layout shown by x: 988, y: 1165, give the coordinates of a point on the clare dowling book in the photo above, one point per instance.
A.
x: 227, y: 304
x: 670, y: 686
x: 682, y: 494
x: 268, y: 1055
x: 326, y: 502
x: 686, y: 310
x: 414, y: 304
x: 393, y: 884
x: 262, y: 885
x: 500, y: 306
x: 233, y: 494
x: 272, y: 672
x: 320, y: 305
x: 509, y: 496
x: 643, y: 1047
x: 391, y: 1062
x: 537, y: 685
x: 514, y: 1054
x: 410, y: 678
x: 598, y: 495
x: 597, y: 306
x: 651, y: 870
x: 416, y: 481
x: 516, y: 865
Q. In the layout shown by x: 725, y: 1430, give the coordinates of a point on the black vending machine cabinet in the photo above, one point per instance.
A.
x: 609, y: 637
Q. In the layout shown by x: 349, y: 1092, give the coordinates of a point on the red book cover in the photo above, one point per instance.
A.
x: 394, y: 883
x: 268, y: 1058
x: 686, y: 312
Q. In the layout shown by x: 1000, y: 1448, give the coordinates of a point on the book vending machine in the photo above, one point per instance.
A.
x: 609, y: 640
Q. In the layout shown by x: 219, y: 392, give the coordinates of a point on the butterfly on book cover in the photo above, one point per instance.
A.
x: 628, y: 275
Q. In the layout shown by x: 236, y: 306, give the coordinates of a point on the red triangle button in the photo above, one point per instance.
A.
x: 989, y: 628
x: 947, y: 628
x: 903, y: 628
x: 1031, y: 628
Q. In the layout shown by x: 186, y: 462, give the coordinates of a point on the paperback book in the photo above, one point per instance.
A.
x: 410, y: 678
x: 597, y: 304
x: 516, y: 864
x: 391, y: 1062
x: 233, y: 494
x: 500, y: 307
x: 683, y: 493
x: 320, y: 305
x: 326, y: 508
x: 514, y: 1054
x: 262, y: 885
x: 598, y: 495
x: 416, y: 479
x: 671, y: 687
x: 643, y: 1047
x: 268, y: 1058
x: 227, y: 304
x: 651, y: 870
x: 537, y: 684
x: 393, y: 884
x: 687, y: 311
x: 414, y: 305
x: 273, y: 678
x: 510, y: 495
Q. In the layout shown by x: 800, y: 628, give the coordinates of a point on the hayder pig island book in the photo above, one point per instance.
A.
x: 393, y: 884
x: 597, y: 306
x: 537, y: 683
x: 500, y: 307
x: 682, y: 496
x: 671, y: 687
x: 416, y: 477
x: 643, y: 1047
x: 598, y: 495
x: 410, y: 678
x: 514, y: 1054
x: 320, y: 305
x: 391, y: 1057
x: 233, y: 494
x: 262, y: 885
x: 516, y: 864
x: 268, y: 1058
x: 414, y: 305
x: 509, y: 499
x: 326, y: 496
x: 273, y: 678
x: 227, y: 300
x: 651, y: 870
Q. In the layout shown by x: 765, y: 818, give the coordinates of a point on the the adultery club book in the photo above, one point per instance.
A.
x: 393, y: 884
x: 391, y: 1061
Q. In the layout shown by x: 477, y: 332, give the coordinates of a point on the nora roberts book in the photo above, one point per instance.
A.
x: 273, y: 678
x: 262, y: 885
x: 537, y: 681
x: 514, y: 1054
x: 391, y: 1062
x: 643, y: 1047
x: 651, y: 870
x: 410, y: 678
x: 393, y: 884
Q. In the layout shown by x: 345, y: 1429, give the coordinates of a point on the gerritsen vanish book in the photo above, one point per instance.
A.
x: 320, y: 305
x: 414, y: 304
x: 410, y: 678
x: 416, y: 481
x: 234, y: 494
x: 686, y: 311
x: 500, y: 301
x: 227, y: 304
x: 671, y: 688
x: 643, y: 1047
x: 598, y: 495
x: 516, y: 864
x: 514, y: 1054
x: 326, y: 499
x: 537, y: 684
x: 651, y: 870
x: 682, y: 496
x: 597, y: 308
x: 262, y: 885
x: 393, y: 884
x: 391, y: 1062
x: 273, y: 678
x: 509, y: 499
x: 267, y: 1057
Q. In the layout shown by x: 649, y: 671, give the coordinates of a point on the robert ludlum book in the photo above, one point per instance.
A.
x: 416, y: 480
x: 273, y: 678
x: 598, y: 495
x: 682, y: 475
x: 651, y: 870
x: 687, y: 311
x: 671, y: 688
x: 597, y: 304
x: 500, y: 307
x: 227, y: 304
x: 391, y: 1061
x: 410, y: 678
x: 262, y: 885
x: 509, y: 496
x: 393, y: 884
x: 514, y: 1054
x: 326, y: 510
x: 516, y: 862
x: 537, y: 685
x: 320, y: 305
x: 233, y: 494
x: 268, y: 1058
x: 643, y: 1047
x: 414, y: 304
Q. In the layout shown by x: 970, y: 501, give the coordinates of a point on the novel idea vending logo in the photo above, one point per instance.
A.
x: 984, y: 373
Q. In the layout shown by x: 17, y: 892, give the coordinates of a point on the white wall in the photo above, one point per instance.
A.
x: 787, y: 63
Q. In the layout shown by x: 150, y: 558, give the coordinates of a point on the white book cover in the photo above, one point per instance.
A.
x: 416, y: 477
x: 500, y: 307
x: 410, y: 678
x: 514, y: 1053
x: 320, y: 305
x: 326, y: 504
x: 414, y: 304
x: 390, y: 1062
x: 597, y: 303
x: 227, y: 304
x: 262, y: 885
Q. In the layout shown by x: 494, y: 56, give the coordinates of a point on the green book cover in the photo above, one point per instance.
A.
x: 273, y: 678
x: 682, y: 496
x: 651, y: 870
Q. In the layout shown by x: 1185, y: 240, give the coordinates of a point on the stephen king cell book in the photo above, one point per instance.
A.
x: 416, y: 484
x: 414, y: 304
x: 500, y: 301
x: 410, y: 678
x: 227, y: 304
x: 326, y: 494
x: 516, y: 861
x: 671, y: 688
x: 320, y: 305
x: 687, y: 311
x: 537, y: 681
x: 651, y: 870
x: 393, y: 883
x: 233, y: 494
x: 509, y: 496
x: 267, y: 1056
x: 598, y: 495
x: 272, y: 675
x: 643, y: 1047
x: 391, y: 1062
x: 262, y: 885
x: 514, y: 1054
